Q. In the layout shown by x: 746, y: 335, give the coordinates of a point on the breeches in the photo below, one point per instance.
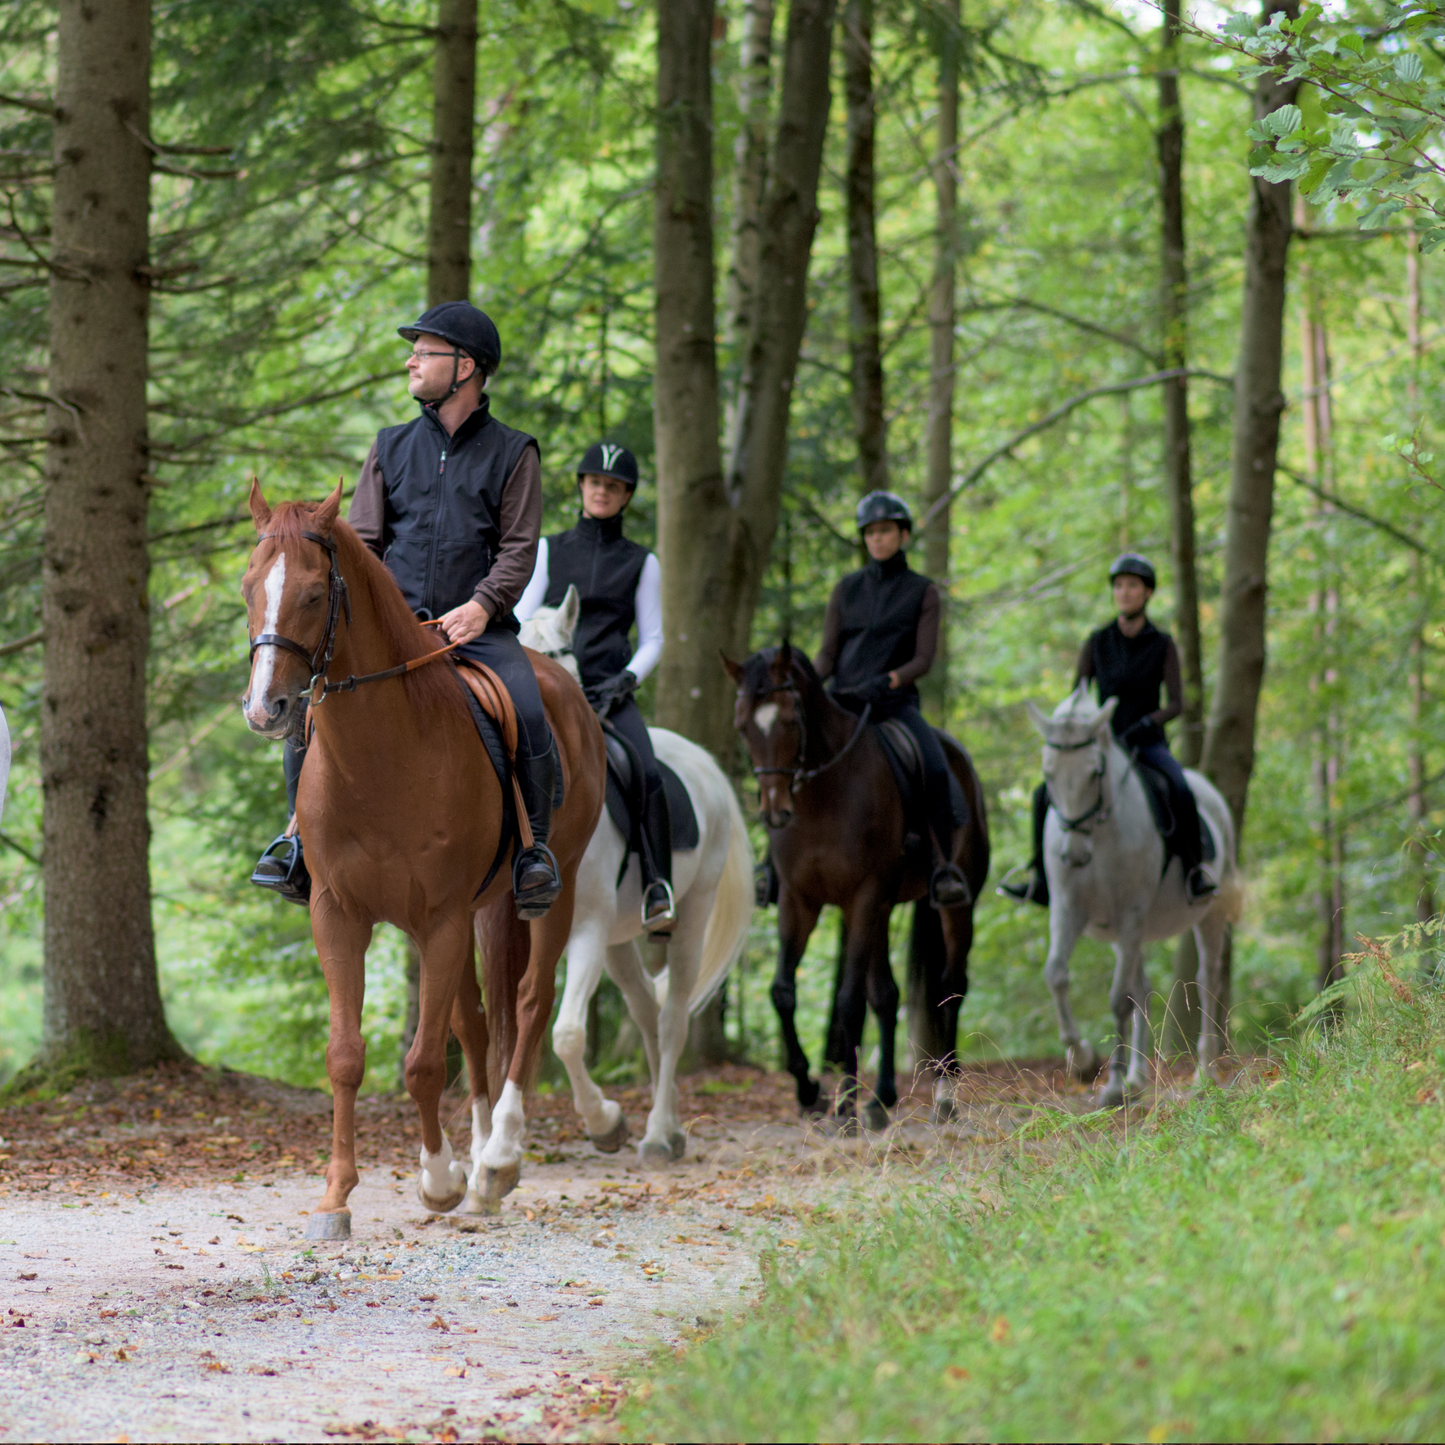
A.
x: 1186, y: 841
x: 629, y: 722
x: 935, y: 776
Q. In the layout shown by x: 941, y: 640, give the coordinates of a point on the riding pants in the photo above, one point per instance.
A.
x: 654, y: 840
x: 937, y: 799
x: 629, y: 722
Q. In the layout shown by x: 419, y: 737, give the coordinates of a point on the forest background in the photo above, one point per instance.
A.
x: 289, y: 224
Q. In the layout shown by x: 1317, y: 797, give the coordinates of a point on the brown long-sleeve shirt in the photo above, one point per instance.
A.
x: 1173, y: 680
x: 925, y: 648
x: 521, y: 526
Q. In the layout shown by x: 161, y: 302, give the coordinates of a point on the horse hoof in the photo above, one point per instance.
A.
x: 808, y: 1092
x: 945, y: 1111
x: 875, y: 1117
x: 654, y: 1156
x: 444, y: 1203
x: 475, y: 1203
x: 1082, y: 1062
x: 613, y: 1139
x: 677, y: 1143
x: 498, y: 1183
x: 1111, y: 1096
x: 845, y: 1126
x: 335, y: 1225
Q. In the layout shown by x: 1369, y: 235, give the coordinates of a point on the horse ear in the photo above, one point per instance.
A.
x: 733, y: 669
x: 567, y: 614
x: 260, y: 512
x: 325, y: 515
x: 1037, y: 717
x: 1106, y: 715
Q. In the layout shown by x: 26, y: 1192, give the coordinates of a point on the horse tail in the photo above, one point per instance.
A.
x: 732, y: 910
x: 926, y: 952
x: 505, y: 942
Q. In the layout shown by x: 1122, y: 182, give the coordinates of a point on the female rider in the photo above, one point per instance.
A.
x: 880, y: 634
x: 618, y: 583
x: 1132, y: 660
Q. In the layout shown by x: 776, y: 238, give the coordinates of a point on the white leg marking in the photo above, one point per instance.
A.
x: 258, y: 711
x: 441, y: 1175
x: 504, y: 1147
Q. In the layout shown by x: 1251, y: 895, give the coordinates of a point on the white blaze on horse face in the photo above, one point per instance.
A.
x: 766, y: 716
x: 258, y: 712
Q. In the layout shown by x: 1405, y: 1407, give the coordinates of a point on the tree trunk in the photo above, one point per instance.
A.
x: 750, y: 168
x: 864, y: 344
x: 694, y: 518
x: 1258, y: 401
x: 454, y: 95
x: 103, y: 1011
x: 941, y: 320
x: 716, y: 537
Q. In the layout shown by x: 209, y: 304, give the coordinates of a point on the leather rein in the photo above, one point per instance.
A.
x: 338, y: 604
x: 799, y: 774
x: 1098, y: 812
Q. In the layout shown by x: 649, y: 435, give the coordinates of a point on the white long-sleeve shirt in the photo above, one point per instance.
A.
x: 646, y: 603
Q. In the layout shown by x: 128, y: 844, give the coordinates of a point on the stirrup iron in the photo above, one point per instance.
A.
x: 666, y: 917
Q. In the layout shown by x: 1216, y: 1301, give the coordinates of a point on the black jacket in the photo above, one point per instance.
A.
x: 879, y: 609
x: 1131, y: 669
x: 443, y: 505
x: 604, y: 567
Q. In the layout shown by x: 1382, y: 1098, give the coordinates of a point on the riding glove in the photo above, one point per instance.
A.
x: 606, y: 697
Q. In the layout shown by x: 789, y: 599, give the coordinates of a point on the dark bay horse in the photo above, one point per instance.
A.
x: 837, y: 828
x: 400, y: 813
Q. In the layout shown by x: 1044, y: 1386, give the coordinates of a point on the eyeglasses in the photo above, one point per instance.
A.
x: 422, y: 355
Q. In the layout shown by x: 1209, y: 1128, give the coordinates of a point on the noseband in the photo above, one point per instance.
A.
x: 338, y: 601
x: 1098, y: 811
x: 798, y: 775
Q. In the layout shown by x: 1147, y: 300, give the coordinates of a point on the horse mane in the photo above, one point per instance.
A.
x: 758, y: 671
x: 432, y: 690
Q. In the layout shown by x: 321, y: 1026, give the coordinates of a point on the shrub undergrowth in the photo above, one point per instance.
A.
x: 1260, y: 1262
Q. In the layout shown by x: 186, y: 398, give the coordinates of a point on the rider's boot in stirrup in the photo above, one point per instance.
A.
x: 282, y: 869
x: 535, y: 879
x: 948, y: 888
x: 1034, y: 889
x: 1199, y: 885
x: 659, y: 910
x: 765, y: 882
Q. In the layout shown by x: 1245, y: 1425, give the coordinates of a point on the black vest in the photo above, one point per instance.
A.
x: 1131, y: 669
x: 604, y: 567
x: 878, y: 616
x: 444, y: 505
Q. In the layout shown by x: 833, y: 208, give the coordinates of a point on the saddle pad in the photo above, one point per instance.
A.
x: 1159, y: 793
x: 902, y: 753
x: 685, y: 832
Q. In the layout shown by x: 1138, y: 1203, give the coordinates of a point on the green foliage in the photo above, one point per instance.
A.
x: 1255, y: 1263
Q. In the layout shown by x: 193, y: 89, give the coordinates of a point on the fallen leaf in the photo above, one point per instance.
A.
x: 439, y: 1324
x: 31, y: 1275
x: 456, y: 1371
x: 999, y: 1332
x: 953, y: 1374
x: 546, y: 1317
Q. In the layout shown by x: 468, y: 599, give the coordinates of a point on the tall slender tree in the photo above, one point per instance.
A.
x: 454, y: 99
x: 1258, y: 403
x: 103, y: 1009
x: 864, y: 342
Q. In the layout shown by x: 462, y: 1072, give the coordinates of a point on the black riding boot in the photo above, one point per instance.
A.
x: 765, y: 881
x: 658, y: 907
x: 1036, y: 888
x: 282, y: 867
x: 535, y: 879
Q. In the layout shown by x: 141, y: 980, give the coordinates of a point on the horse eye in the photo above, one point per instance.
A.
x: 312, y: 596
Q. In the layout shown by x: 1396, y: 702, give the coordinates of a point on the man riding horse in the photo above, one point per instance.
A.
x: 618, y: 584
x: 880, y: 634
x: 452, y: 504
x: 1132, y: 660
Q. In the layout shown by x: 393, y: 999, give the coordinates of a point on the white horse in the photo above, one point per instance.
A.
x: 713, y: 891
x: 1104, y: 860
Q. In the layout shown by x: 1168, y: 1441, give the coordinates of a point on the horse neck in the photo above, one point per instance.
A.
x: 827, y: 723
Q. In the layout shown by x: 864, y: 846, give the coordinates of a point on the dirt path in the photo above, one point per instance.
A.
x: 150, y: 1295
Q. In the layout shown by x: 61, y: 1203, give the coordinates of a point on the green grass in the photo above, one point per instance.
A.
x: 1259, y: 1263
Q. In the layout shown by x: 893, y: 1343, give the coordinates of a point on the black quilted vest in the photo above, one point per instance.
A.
x: 442, y: 528
x: 879, y: 609
x: 1131, y: 669
x: 604, y: 567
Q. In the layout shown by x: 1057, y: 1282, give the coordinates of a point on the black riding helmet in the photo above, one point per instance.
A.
x: 608, y: 459
x: 1131, y: 564
x: 883, y: 507
x: 468, y: 329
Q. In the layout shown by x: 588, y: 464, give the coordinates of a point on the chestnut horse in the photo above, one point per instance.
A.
x: 836, y: 827
x: 400, y: 813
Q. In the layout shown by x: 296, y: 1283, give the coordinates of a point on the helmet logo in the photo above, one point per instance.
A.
x: 610, y: 454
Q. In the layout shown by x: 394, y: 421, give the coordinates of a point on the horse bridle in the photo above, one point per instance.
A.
x: 338, y: 604
x: 799, y: 775
x: 1098, y: 811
